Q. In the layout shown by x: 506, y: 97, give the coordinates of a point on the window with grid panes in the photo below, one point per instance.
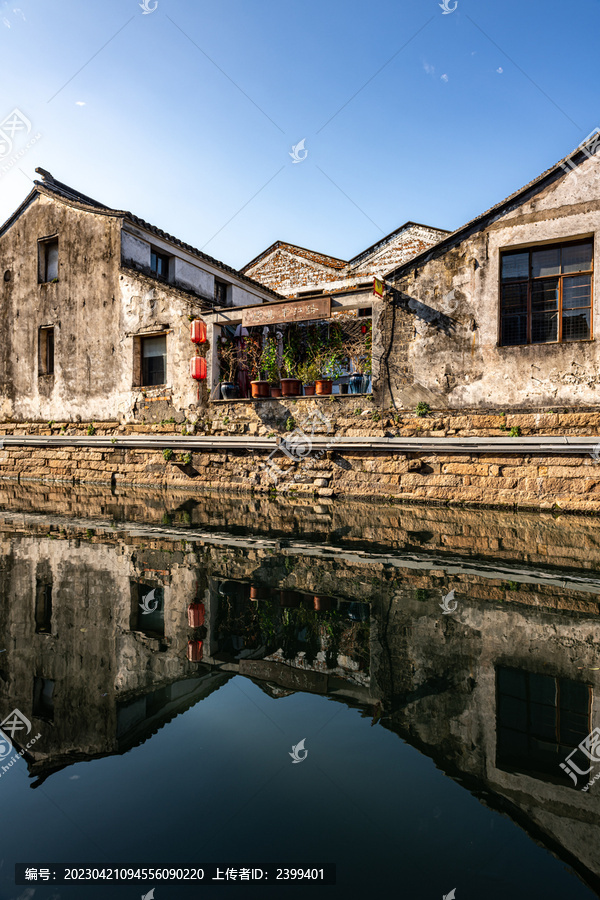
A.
x: 546, y: 294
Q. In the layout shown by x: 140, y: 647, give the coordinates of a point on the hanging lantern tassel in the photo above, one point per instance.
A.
x: 198, y: 368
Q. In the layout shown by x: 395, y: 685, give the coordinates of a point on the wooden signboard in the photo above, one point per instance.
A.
x: 294, y: 311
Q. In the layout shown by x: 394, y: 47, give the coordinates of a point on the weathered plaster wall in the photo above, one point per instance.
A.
x: 446, y: 331
x: 97, y: 308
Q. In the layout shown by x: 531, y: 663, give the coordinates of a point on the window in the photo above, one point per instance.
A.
x: 46, y: 350
x: 159, y: 263
x: 43, y: 698
x: 221, y: 292
x: 43, y: 605
x: 154, y: 360
x: 547, y: 294
x: 48, y: 260
x: 540, y: 719
x: 147, y: 608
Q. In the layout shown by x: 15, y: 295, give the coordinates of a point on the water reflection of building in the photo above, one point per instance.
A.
x: 496, y: 693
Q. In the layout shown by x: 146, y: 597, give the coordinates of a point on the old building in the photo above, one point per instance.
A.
x: 95, y: 306
x: 291, y: 270
x: 500, y: 313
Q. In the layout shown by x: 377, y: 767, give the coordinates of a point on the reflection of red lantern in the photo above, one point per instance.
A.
x: 321, y: 603
x: 198, y: 331
x: 198, y: 368
x: 194, y: 651
x: 196, y: 615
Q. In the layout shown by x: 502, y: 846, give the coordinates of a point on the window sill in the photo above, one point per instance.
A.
x: 546, y: 344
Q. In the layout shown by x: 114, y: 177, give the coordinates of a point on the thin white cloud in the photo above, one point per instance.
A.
x: 444, y: 77
x: 500, y: 70
x: 428, y: 68
x: 80, y: 103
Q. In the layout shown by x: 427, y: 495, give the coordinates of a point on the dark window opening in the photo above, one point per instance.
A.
x: 147, y: 609
x: 159, y: 263
x: 546, y: 294
x: 540, y: 719
x: 221, y: 292
x: 43, y: 606
x: 48, y: 260
x: 154, y: 360
x: 46, y: 350
x: 43, y: 699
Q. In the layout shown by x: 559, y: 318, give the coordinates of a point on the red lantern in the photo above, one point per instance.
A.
x: 194, y: 651
x: 363, y: 329
x: 196, y: 615
x: 198, y: 331
x: 198, y: 368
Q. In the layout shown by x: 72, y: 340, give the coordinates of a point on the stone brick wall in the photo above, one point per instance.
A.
x: 570, y: 483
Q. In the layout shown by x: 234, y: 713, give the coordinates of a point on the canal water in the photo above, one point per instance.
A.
x: 283, y: 687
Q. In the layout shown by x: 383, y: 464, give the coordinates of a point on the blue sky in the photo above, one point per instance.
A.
x: 187, y: 116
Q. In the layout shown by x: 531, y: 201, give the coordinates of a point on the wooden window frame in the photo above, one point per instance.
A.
x: 46, y: 350
x: 44, y: 245
x: 531, y: 249
x: 158, y: 254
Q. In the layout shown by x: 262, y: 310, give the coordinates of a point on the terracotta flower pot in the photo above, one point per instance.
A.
x: 309, y: 390
x: 324, y: 386
x: 275, y: 392
x: 290, y: 387
x: 261, y: 388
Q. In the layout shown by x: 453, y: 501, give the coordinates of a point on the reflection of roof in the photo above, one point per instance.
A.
x: 57, y: 188
x: 179, y: 698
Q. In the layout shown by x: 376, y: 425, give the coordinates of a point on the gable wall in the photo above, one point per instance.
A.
x: 446, y: 331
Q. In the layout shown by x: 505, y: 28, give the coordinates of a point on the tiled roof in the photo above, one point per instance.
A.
x: 58, y: 188
x: 332, y: 262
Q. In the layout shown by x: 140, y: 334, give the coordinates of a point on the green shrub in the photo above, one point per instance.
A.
x: 167, y: 454
x: 422, y: 408
x: 90, y: 429
x: 186, y: 459
x: 515, y: 431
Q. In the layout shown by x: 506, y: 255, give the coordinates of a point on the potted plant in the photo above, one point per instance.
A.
x: 228, y: 362
x: 357, y: 349
x: 269, y: 365
x: 308, y: 372
x: 329, y: 368
x: 253, y: 352
x: 290, y: 384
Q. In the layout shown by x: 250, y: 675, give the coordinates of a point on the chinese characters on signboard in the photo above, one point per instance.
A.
x: 295, y: 311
